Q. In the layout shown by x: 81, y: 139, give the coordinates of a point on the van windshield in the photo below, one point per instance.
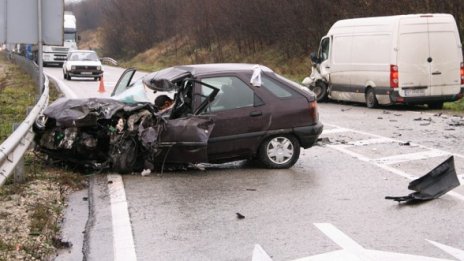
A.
x: 324, y: 51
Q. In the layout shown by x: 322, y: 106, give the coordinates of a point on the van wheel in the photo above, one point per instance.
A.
x: 435, y: 105
x: 320, y: 89
x: 279, y: 152
x: 371, y: 100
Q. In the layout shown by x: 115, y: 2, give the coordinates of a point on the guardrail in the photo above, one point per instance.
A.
x: 109, y: 60
x: 14, y: 147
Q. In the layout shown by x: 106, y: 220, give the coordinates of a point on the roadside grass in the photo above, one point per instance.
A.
x: 17, y: 93
x: 457, y: 106
x: 30, y: 212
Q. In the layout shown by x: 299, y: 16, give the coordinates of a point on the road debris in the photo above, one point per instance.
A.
x: 240, y: 216
x: 434, y: 184
x: 407, y: 143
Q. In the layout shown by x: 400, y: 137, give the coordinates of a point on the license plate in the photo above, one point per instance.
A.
x: 414, y: 92
x: 86, y: 73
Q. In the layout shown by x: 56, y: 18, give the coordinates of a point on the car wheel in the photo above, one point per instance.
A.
x: 435, y: 105
x: 95, y: 78
x: 371, y: 100
x: 320, y: 89
x: 279, y: 152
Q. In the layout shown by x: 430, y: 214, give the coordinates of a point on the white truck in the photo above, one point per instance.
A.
x: 405, y: 59
x: 57, y: 54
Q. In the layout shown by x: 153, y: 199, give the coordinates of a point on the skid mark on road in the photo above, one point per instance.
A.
x: 385, y: 162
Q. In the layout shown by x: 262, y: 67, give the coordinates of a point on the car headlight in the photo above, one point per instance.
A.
x: 73, y: 67
x: 99, y: 68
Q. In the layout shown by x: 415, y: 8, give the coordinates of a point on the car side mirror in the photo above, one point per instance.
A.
x: 314, y: 58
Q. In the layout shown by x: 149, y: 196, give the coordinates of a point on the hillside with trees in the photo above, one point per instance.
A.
x: 231, y: 31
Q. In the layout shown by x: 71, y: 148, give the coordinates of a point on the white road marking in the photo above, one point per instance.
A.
x: 457, y: 253
x: 370, y: 142
x: 382, y: 137
x: 411, y: 156
x: 335, y: 130
x: 384, y: 162
x: 123, y: 242
x: 352, y: 251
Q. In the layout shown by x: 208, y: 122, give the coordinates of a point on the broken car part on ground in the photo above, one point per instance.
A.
x: 220, y: 113
x: 434, y: 184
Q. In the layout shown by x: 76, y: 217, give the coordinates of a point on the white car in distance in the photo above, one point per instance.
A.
x: 82, y: 63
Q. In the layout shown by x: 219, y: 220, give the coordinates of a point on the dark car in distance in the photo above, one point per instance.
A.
x: 220, y: 113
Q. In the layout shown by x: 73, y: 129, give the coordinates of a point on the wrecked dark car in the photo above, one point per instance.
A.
x: 220, y: 113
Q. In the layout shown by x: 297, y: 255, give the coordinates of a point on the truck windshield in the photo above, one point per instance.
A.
x: 69, y: 37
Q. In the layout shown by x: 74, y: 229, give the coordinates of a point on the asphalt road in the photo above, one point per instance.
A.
x: 329, y: 206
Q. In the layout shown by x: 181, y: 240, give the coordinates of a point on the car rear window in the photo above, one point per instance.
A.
x: 277, y: 88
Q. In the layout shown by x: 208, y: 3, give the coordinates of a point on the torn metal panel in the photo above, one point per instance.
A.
x: 434, y: 184
x: 105, y: 133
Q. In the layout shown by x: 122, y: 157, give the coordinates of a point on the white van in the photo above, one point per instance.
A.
x: 405, y: 59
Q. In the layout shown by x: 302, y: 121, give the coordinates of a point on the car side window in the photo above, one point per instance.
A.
x: 233, y: 93
x: 275, y: 88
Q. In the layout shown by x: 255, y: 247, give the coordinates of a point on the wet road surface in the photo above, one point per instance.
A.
x: 366, y: 155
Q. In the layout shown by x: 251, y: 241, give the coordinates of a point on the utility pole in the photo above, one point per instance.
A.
x: 40, y: 45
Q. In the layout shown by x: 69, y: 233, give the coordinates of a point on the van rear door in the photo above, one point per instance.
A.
x: 429, y: 56
x: 445, y: 52
x: 413, y: 51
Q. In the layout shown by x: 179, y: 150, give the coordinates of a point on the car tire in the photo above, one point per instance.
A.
x: 95, y: 78
x: 435, y: 105
x: 279, y: 152
x: 320, y: 89
x: 371, y: 100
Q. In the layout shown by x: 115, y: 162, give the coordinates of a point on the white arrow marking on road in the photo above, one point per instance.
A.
x: 457, y: 253
x: 352, y: 251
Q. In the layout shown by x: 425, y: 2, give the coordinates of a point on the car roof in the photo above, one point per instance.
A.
x: 199, y: 69
x: 162, y: 80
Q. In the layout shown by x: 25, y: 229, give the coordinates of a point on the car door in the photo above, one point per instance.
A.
x: 241, y: 120
x: 184, y: 138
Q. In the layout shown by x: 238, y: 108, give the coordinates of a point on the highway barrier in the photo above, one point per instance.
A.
x: 14, y: 147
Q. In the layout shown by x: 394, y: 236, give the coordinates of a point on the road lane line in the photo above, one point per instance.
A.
x: 335, y: 130
x: 123, y: 241
x: 370, y: 142
x: 343, y: 148
x: 393, y: 140
x: 410, y: 157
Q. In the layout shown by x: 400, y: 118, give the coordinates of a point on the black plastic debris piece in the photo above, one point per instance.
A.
x: 240, y: 216
x: 407, y: 143
x: 418, y: 119
x: 434, y: 184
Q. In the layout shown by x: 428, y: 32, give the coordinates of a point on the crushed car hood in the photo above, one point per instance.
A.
x: 86, y: 112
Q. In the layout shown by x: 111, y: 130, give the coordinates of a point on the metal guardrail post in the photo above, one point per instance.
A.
x: 14, y: 147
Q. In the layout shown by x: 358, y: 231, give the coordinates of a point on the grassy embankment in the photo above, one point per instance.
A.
x: 30, y: 213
